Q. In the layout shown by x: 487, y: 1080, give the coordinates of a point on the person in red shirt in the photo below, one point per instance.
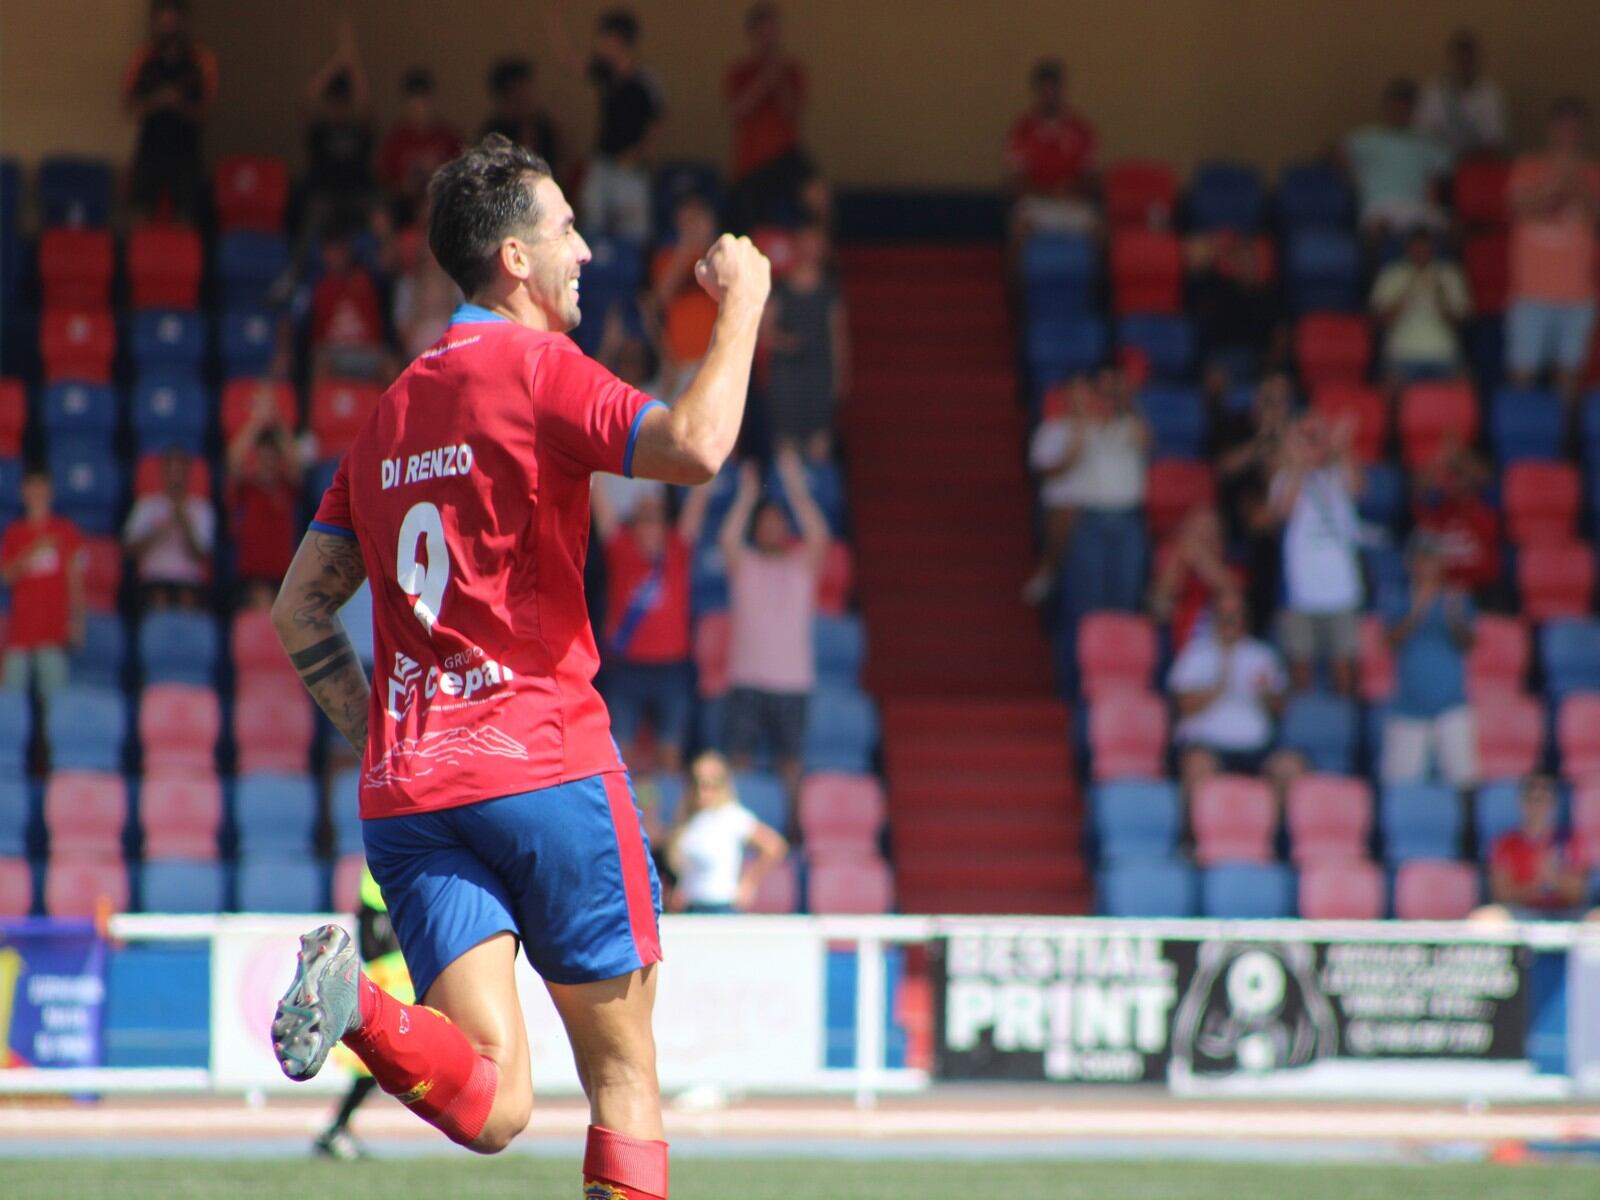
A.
x: 1052, y: 156
x: 41, y: 561
x: 497, y: 811
x: 1192, y: 570
x: 263, y: 488
x: 1534, y: 872
x: 765, y: 94
x: 1449, y: 505
x: 347, y: 337
x: 418, y: 146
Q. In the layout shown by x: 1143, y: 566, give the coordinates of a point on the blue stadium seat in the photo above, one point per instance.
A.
x: 344, y: 812
x: 1386, y: 567
x: 763, y: 793
x: 74, y: 190
x: 282, y: 886
x: 1484, y: 339
x: 104, y: 653
x: 1167, y: 342
x: 612, y: 278
x: 1323, y: 271
x: 1137, y: 818
x: 10, y: 489
x: 247, y: 265
x: 170, y: 412
x: 677, y: 179
x: 1589, y: 428
x: 176, y: 885
x: 1383, y: 499
x: 1226, y: 195
x: 1248, y: 891
x: 274, y: 814
x: 841, y: 730
x: 10, y: 195
x: 1060, y: 345
x: 1178, y: 420
x: 88, y: 483
x: 708, y: 581
x: 16, y: 725
x: 1148, y: 889
x: 21, y: 334
x: 247, y: 341
x: 1569, y: 655
x: 178, y: 647
x: 79, y: 410
x: 1314, y: 196
x: 1324, y: 728
x: 1526, y: 423
x: 1419, y: 820
x: 1060, y: 273
x: 16, y: 813
x: 841, y: 647
x: 668, y: 796
x: 173, y: 343
x: 87, y: 728
x: 1497, y: 809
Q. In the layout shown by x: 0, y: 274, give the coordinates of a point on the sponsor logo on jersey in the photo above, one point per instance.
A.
x: 410, y: 759
x: 403, y: 685
x: 443, y: 462
x: 466, y: 676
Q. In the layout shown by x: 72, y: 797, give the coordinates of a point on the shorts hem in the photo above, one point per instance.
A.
x: 597, y: 974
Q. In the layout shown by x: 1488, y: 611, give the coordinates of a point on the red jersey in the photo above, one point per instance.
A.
x: 409, y: 154
x: 1523, y: 859
x: 1470, y: 532
x: 1051, y: 153
x: 648, y: 617
x: 468, y: 490
x: 344, y: 311
x: 40, y: 596
x: 766, y: 132
x: 263, y: 527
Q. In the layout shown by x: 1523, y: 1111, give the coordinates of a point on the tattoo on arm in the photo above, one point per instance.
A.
x: 326, y: 572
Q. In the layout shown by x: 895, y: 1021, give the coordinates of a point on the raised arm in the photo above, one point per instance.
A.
x: 326, y: 571
x: 692, y: 516
x: 814, y: 529
x: 730, y: 538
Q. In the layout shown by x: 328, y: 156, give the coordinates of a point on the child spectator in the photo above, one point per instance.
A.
x: 339, y: 137
x: 516, y: 114
x: 1249, y: 445
x: 170, y: 86
x: 347, y: 336
x: 263, y: 489
x: 41, y: 561
x: 1463, y: 111
x: 708, y: 844
x: 1449, y: 505
x: 765, y: 93
x: 685, y: 312
x: 1535, y: 874
x: 1192, y: 570
x: 1051, y: 153
x: 1420, y: 302
x: 1395, y: 168
x: 807, y: 337
x: 417, y: 146
x: 170, y: 535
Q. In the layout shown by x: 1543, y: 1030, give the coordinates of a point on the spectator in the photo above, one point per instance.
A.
x: 1463, y: 111
x: 772, y: 592
x: 170, y: 86
x: 170, y: 535
x: 707, y: 847
x: 808, y: 348
x: 1051, y: 154
x: 1249, y: 446
x: 1555, y: 198
x: 263, y: 489
x: 1430, y: 632
x: 516, y: 114
x: 339, y: 137
x: 1536, y: 874
x: 416, y: 147
x: 765, y: 93
x: 41, y: 561
x: 1233, y: 297
x: 1450, y: 506
x: 1192, y: 570
x: 1395, y: 168
x: 347, y: 336
x: 1313, y: 497
x: 684, y: 311
x: 1420, y: 302
x: 424, y: 297
x: 645, y: 636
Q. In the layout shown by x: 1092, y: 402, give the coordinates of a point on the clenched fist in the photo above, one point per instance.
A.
x: 734, y: 269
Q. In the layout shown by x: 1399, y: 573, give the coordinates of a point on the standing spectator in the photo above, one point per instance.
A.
x: 1430, y: 632
x: 1051, y: 154
x: 765, y: 93
x: 645, y: 638
x: 424, y: 297
x: 1463, y: 111
x: 263, y: 489
x: 706, y: 849
x: 773, y: 592
x: 1420, y: 302
x: 1395, y: 168
x: 41, y: 561
x: 1555, y: 199
x: 1192, y: 570
x: 170, y: 86
x: 684, y: 311
x: 516, y: 114
x: 1534, y: 873
x: 347, y: 336
x: 416, y: 147
x: 1313, y: 497
x: 1449, y: 505
x: 1249, y: 445
x: 807, y: 338
x: 169, y: 535
x: 339, y: 138
x: 1233, y: 295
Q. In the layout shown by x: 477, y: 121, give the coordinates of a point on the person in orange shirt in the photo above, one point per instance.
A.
x: 765, y: 93
x: 686, y: 314
x: 1555, y: 200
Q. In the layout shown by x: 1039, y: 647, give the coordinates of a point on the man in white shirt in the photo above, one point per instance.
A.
x: 1463, y: 111
x: 169, y: 536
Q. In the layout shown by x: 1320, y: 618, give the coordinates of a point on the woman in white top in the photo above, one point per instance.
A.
x: 706, y: 849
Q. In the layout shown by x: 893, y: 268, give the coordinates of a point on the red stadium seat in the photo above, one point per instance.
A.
x: 1146, y: 272
x: 77, y: 344
x: 1555, y: 579
x: 1540, y: 501
x: 1479, y: 191
x: 1234, y: 819
x: 862, y: 886
x: 1116, y: 652
x: 1374, y: 662
x: 256, y: 650
x: 1435, y: 890
x: 841, y: 813
x: 1578, y: 735
x: 339, y: 407
x: 178, y: 727
x: 251, y: 193
x: 239, y: 398
x: 165, y: 263
x: 13, y: 417
x: 1128, y: 737
x: 779, y: 890
x: 1432, y: 412
x: 1510, y: 735
x: 1140, y: 194
x: 347, y: 882
x: 149, y: 477
x: 1487, y: 258
x: 181, y: 813
x: 1329, y: 817
x: 16, y: 887
x: 1332, y: 348
x: 1362, y: 404
x: 102, y: 572
x: 1498, y: 660
x: 76, y: 887
x: 84, y: 812
x: 1172, y: 488
x: 75, y: 267
x: 1586, y: 820
x: 272, y: 727
x: 836, y: 580
x: 1341, y: 890
x: 713, y: 634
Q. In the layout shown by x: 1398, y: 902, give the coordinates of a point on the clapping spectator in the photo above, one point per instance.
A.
x: 1464, y: 111
x: 170, y: 535
x: 765, y: 93
x: 708, y: 844
x: 1249, y: 445
x: 772, y: 592
x: 41, y: 561
x: 1534, y: 872
x: 339, y: 137
x: 170, y: 87
x: 1395, y: 168
x: 1233, y: 296
x: 516, y: 114
x: 1051, y: 157
x: 417, y: 146
x: 1555, y: 199
x: 1420, y: 301
x: 807, y: 339
x: 1313, y: 496
x: 263, y: 489
x: 1429, y: 628
x: 685, y: 312
x: 347, y: 335
x: 1192, y: 570
x: 1449, y: 505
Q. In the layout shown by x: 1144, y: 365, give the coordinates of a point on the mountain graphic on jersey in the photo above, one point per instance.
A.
x: 414, y: 758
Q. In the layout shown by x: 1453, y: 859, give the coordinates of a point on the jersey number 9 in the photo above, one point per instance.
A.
x: 423, y: 585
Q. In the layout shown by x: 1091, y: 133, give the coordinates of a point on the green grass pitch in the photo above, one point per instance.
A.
x: 522, y: 1178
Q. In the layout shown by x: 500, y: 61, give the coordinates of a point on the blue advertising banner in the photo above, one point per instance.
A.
x: 52, y: 994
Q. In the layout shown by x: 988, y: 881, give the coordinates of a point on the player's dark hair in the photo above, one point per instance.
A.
x: 418, y: 81
x: 506, y: 73
x: 620, y: 24
x: 476, y: 202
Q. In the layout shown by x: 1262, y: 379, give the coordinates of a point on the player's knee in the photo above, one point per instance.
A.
x: 509, y: 1118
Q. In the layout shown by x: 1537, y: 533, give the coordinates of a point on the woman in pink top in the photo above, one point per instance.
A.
x: 773, y: 586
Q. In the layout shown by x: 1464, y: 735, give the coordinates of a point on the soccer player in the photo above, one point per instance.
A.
x: 496, y: 807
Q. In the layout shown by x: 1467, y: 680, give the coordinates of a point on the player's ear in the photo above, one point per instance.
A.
x: 514, y: 257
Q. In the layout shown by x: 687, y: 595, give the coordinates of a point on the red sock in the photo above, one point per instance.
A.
x: 417, y: 1054
x: 618, y: 1167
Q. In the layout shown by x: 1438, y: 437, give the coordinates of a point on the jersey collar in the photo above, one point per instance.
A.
x: 472, y: 314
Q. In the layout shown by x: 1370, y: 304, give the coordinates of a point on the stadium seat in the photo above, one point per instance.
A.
x: 170, y: 414
x: 1569, y: 656
x: 1172, y: 488
x: 1248, y: 891
x: 247, y: 265
x: 1496, y: 810
x: 1419, y: 820
x: 1540, y: 500
x: 678, y: 178
x: 16, y: 814
x: 1484, y: 339
x: 1178, y: 420
x: 1435, y: 890
x: 1556, y: 579
x: 841, y: 730
x: 1332, y: 347
x: 272, y: 725
x: 79, y: 410
x: 165, y: 263
x: 1140, y: 194
x: 838, y: 809
x: 88, y: 484
x: 13, y: 417
x: 853, y: 886
x: 1384, y: 498
x: 1142, y: 888
x: 102, y: 574
x: 77, y: 344
x: 10, y: 194
x: 16, y: 887
x: 1329, y: 817
x: 1166, y: 343
x: 1128, y: 736
x: 1137, y: 819
x: 1116, y: 653
x: 104, y: 654
x: 1586, y: 820
x: 282, y: 886
x: 85, y: 813
x: 16, y: 727
x: 86, y: 728
x: 76, y: 887
x: 1478, y: 192
x: 10, y: 488
x: 841, y: 648
x: 74, y: 190
x: 75, y: 267
x: 167, y: 344
x: 1313, y: 195
x: 347, y: 869
x: 1224, y: 195
x: 275, y: 813
x: 1341, y: 889
x: 1064, y: 344
x: 247, y: 341
x: 255, y: 649
x: 181, y: 814
x: 176, y: 885
x: 239, y: 401
x: 252, y: 192
x: 1060, y: 271
x: 1432, y: 412
x: 344, y: 811
x: 1578, y: 735
x: 1322, y: 271
x: 1510, y: 735
x: 1526, y: 423
x: 1324, y: 729
x: 1487, y: 259
x: 1146, y: 272
x: 763, y: 793
x: 778, y: 892
x: 1498, y: 660
x: 339, y: 408
x: 1347, y: 400
x: 178, y: 727
x: 178, y: 647
x: 1234, y: 819
x: 836, y: 580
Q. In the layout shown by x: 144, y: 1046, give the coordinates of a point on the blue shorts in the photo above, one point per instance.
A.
x: 1540, y: 334
x: 566, y: 868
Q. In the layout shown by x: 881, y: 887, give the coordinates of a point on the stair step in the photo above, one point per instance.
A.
x: 968, y: 872
x: 946, y: 716
x: 985, y: 834
x: 1047, y: 902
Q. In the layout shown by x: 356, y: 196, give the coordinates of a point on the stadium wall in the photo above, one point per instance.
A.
x: 906, y: 93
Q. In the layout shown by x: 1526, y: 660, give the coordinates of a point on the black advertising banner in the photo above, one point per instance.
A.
x: 1119, y: 1007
